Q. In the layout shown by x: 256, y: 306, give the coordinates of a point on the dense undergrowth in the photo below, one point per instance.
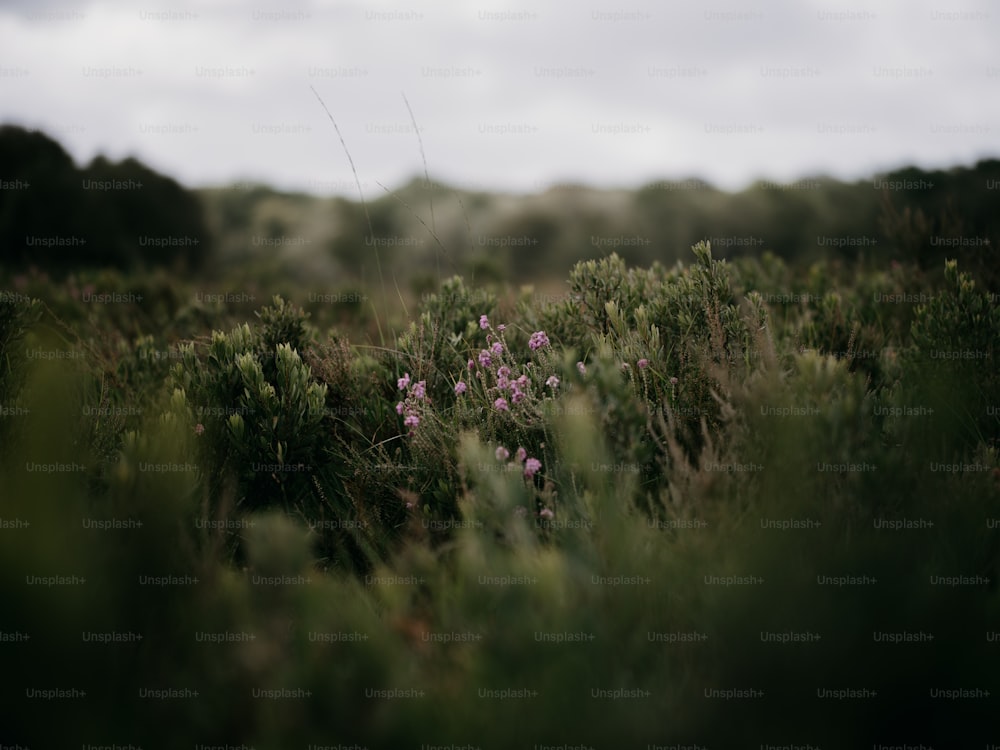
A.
x: 710, y: 504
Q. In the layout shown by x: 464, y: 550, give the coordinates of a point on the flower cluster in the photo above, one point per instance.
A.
x: 509, y: 389
x: 410, y: 406
x: 538, y: 340
x: 531, y: 465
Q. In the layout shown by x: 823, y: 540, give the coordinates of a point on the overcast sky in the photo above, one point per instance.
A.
x: 511, y: 96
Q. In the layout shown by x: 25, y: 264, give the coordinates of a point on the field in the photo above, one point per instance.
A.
x: 716, y: 504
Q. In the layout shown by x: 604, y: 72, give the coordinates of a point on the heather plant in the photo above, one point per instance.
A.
x: 676, y: 338
x: 436, y: 344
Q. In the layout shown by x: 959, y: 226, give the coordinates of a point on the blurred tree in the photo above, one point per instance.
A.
x: 122, y: 215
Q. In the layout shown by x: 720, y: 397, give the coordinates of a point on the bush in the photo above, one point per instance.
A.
x: 262, y: 419
x: 951, y: 364
x: 18, y: 314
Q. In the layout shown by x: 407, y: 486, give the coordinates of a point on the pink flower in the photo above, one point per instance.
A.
x: 518, y: 396
x: 497, y: 348
x: 502, y: 454
x: 643, y: 364
x: 484, y: 322
x: 472, y: 364
x: 531, y: 466
x: 411, y: 420
x: 459, y: 388
x: 552, y: 382
x: 484, y: 358
x: 502, y: 383
x: 538, y: 340
x: 521, y: 455
x: 399, y: 407
x: 501, y: 328
x: 501, y: 404
x: 522, y: 381
x: 403, y: 381
x: 503, y: 372
x: 673, y: 381
x: 199, y: 429
x: 582, y: 368
x: 420, y: 389
x: 546, y: 513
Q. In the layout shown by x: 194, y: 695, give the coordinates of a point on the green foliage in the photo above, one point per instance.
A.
x: 18, y: 314
x: 677, y: 338
x: 687, y: 472
x: 951, y: 363
x: 262, y: 419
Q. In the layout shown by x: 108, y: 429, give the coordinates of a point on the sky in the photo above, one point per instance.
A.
x: 511, y: 96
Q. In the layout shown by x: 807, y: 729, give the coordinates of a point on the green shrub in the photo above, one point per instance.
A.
x: 263, y: 422
x: 18, y: 314
x: 951, y: 364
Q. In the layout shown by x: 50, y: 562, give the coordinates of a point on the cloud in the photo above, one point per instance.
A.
x: 508, y: 96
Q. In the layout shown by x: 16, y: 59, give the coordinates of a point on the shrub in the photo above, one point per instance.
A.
x: 950, y: 365
x: 262, y: 420
x: 18, y: 314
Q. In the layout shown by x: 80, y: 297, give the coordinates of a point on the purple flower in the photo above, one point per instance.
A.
x: 522, y: 381
x: 484, y: 322
x: 484, y: 358
x: 538, y: 340
x: 502, y: 383
x: 503, y: 372
x: 411, y: 420
x: 521, y: 455
x: 552, y: 382
x: 501, y: 328
x: 459, y: 388
x: 502, y: 454
x: 403, y: 381
x: 546, y: 513
x: 472, y: 364
x: 501, y: 404
x: 531, y: 466
x: 399, y: 407
x: 643, y: 364
x: 518, y: 396
x: 497, y: 348
x: 582, y: 368
x: 420, y: 389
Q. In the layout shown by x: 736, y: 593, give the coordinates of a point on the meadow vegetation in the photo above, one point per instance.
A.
x: 707, y: 502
